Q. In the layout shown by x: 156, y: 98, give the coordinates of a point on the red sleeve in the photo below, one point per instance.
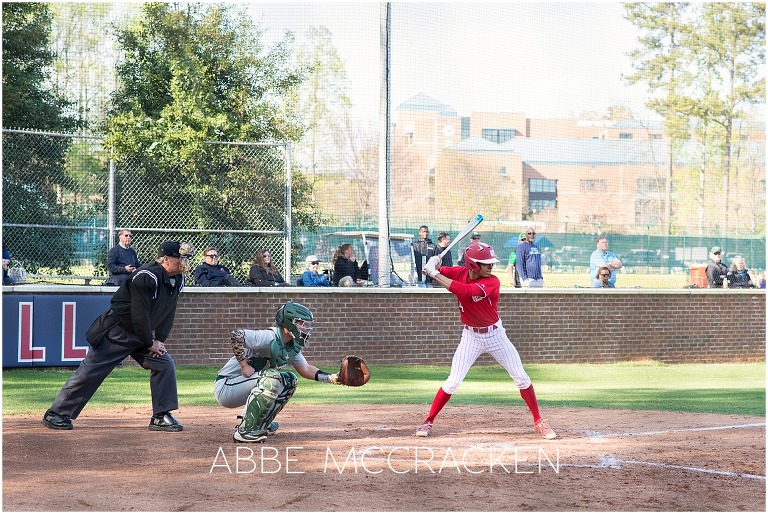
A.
x: 483, y: 288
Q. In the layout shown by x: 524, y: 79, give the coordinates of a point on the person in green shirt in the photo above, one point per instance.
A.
x: 514, y: 278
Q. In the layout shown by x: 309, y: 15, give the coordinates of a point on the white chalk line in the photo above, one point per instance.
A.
x: 597, y: 436
x: 610, y: 461
x: 606, y: 462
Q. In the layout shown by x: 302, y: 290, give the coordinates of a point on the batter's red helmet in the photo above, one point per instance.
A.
x: 479, y: 253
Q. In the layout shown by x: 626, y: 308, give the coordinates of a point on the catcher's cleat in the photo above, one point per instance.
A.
x: 56, y: 421
x: 544, y: 429
x: 164, y: 422
x: 257, y: 436
x: 271, y: 428
x: 424, y: 430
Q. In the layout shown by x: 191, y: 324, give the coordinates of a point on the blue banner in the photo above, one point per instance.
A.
x: 45, y: 330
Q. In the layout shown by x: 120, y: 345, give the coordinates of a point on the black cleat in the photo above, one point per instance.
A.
x: 164, y: 422
x: 56, y: 421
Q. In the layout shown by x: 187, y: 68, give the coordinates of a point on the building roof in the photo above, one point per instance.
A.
x: 422, y: 102
x: 585, y: 152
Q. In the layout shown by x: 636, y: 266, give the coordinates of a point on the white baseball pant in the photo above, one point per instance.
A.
x: 473, y: 345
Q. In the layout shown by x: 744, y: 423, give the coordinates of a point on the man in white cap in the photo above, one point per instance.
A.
x: 312, y: 277
x: 716, y: 270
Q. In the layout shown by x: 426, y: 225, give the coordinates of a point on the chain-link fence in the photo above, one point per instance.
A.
x: 64, y: 199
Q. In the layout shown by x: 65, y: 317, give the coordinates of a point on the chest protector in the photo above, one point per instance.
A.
x: 280, y: 354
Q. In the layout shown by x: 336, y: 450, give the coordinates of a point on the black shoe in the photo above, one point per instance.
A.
x: 164, y: 422
x: 56, y: 421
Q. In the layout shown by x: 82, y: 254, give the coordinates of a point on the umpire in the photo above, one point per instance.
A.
x: 137, y: 324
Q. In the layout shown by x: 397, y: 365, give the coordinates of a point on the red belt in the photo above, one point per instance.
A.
x: 481, y: 330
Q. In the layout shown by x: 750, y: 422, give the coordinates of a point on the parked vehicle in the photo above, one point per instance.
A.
x: 366, y: 246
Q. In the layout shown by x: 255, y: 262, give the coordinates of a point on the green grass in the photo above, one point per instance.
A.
x: 712, y: 388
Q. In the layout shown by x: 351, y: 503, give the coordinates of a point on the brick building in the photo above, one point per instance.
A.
x: 556, y: 170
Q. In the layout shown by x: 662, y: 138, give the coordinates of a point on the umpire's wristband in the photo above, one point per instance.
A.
x: 322, y: 376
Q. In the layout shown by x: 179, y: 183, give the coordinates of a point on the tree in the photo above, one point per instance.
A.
x: 661, y: 62
x: 729, y: 42
x: 194, y: 75
x: 84, y: 67
x: 323, y: 101
x: 707, y: 61
x: 28, y: 99
x: 33, y: 165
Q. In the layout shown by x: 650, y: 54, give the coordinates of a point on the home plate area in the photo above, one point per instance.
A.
x: 367, y: 458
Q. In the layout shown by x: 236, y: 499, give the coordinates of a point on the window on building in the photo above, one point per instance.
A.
x: 542, y: 194
x: 465, y: 127
x: 647, y: 211
x: 625, y: 135
x: 503, y: 171
x: 498, y: 135
x: 655, y: 136
x: 649, y: 200
x: 650, y: 185
x: 593, y: 186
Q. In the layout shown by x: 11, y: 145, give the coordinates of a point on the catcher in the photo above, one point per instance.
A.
x: 252, y: 378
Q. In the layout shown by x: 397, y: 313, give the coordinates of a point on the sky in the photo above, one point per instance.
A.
x: 543, y: 59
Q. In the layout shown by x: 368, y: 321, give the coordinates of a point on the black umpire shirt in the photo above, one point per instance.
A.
x: 146, y: 303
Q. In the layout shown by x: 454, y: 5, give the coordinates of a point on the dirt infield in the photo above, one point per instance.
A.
x: 491, y: 461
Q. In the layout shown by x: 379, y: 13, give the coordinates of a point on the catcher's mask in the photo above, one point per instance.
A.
x: 183, y: 251
x: 479, y: 253
x: 297, y: 319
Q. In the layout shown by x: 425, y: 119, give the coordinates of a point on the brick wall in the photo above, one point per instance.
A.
x: 421, y: 326
x: 408, y: 327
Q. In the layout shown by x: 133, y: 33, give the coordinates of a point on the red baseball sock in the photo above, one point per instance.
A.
x: 529, y: 395
x: 441, y: 398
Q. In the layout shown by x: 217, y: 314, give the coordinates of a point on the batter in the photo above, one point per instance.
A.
x: 477, y: 292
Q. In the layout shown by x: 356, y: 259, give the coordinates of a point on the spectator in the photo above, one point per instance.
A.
x: 716, y: 270
x: 263, y: 273
x: 212, y: 274
x: 603, y: 277
x: 602, y: 257
x: 423, y: 250
x: 739, y: 277
x: 345, y: 265
x: 761, y: 280
x: 528, y: 261
x: 311, y: 277
x: 475, y: 238
x: 7, y: 280
x: 443, y: 240
x: 514, y: 278
x: 121, y: 260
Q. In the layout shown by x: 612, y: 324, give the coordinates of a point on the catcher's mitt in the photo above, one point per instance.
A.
x: 353, y: 371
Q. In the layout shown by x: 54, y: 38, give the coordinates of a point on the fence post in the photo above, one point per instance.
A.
x: 111, y: 214
x: 288, y: 218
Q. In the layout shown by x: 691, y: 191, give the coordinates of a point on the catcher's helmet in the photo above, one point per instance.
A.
x: 479, y: 253
x: 297, y: 319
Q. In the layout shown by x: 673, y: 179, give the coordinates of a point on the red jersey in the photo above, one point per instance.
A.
x: 478, y: 299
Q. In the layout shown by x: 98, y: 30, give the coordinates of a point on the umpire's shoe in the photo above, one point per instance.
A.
x: 164, y: 422
x: 56, y: 421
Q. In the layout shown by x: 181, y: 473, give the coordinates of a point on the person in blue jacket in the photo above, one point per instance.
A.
x: 311, y: 277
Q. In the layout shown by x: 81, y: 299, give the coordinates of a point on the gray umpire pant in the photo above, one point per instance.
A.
x: 116, y: 346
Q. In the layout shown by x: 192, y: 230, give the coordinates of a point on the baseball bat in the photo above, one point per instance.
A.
x: 472, y: 225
